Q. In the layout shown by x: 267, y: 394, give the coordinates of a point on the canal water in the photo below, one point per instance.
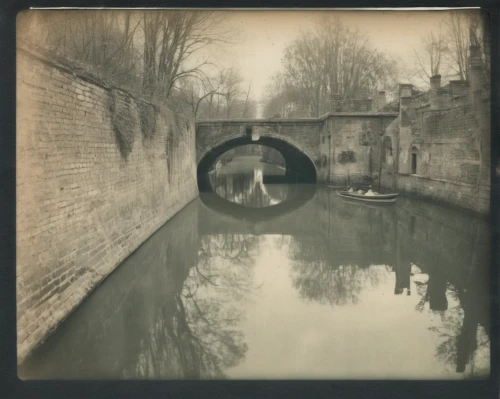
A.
x: 261, y: 280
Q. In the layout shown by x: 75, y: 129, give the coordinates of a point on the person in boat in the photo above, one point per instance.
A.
x: 360, y: 192
x: 351, y: 190
x: 370, y: 192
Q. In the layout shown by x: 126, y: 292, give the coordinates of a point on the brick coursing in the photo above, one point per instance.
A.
x: 448, y: 138
x: 82, y: 206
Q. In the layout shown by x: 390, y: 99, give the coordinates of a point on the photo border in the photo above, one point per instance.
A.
x: 12, y: 386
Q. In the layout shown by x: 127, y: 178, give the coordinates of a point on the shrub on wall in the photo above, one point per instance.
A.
x: 346, y: 157
x: 365, y: 138
x: 124, y: 121
x: 147, y: 114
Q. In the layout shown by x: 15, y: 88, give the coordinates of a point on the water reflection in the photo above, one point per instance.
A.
x: 337, y: 286
x: 248, y: 190
x: 242, y: 181
x: 321, y: 288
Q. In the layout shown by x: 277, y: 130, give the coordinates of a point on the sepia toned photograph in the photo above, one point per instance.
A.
x: 253, y: 194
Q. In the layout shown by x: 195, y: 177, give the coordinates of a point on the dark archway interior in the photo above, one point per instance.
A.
x: 297, y: 198
x: 299, y: 167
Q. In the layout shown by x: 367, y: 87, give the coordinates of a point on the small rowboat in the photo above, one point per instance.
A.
x: 379, y: 198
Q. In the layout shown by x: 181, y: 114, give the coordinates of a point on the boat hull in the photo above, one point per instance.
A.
x: 376, y: 199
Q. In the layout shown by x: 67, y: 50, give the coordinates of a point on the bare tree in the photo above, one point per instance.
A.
x: 332, y: 61
x: 429, y: 58
x: 466, y: 28
x: 149, y: 51
x: 282, y: 98
x: 219, y: 97
x: 170, y: 39
x: 101, y: 42
x: 445, y: 51
x: 192, y: 92
x: 230, y: 80
x: 246, y: 104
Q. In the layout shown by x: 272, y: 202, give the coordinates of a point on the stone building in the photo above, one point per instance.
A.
x: 439, y: 145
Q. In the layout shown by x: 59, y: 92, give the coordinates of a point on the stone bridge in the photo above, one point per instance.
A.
x: 308, y: 145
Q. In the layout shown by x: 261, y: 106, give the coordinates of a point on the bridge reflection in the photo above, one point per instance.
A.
x: 248, y: 187
x: 243, y: 199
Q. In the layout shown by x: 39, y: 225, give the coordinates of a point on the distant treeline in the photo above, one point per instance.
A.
x: 267, y: 154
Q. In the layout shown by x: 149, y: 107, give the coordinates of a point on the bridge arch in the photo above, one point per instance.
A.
x: 300, y: 168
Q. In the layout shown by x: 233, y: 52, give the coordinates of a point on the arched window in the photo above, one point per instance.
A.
x: 414, y: 160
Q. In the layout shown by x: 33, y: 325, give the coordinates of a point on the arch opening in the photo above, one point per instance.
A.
x: 414, y: 161
x: 299, y: 168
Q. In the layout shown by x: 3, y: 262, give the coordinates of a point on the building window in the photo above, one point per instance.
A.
x: 414, y: 161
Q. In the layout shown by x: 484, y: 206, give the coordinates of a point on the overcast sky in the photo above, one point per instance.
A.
x: 261, y: 36
x: 264, y: 34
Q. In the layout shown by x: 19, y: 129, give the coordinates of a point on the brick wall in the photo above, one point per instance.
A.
x: 90, y: 188
x: 451, y: 143
x: 115, y: 322
x: 448, y: 137
x: 448, y: 191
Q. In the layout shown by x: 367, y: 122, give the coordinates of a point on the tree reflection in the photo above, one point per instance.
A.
x: 433, y: 292
x: 227, y: 260
x: 196, y: 334
x: 318, y: 279
x: 192, y: 338
x: 463, y: 341
x: 452, y: 256
x: 464, y: 344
